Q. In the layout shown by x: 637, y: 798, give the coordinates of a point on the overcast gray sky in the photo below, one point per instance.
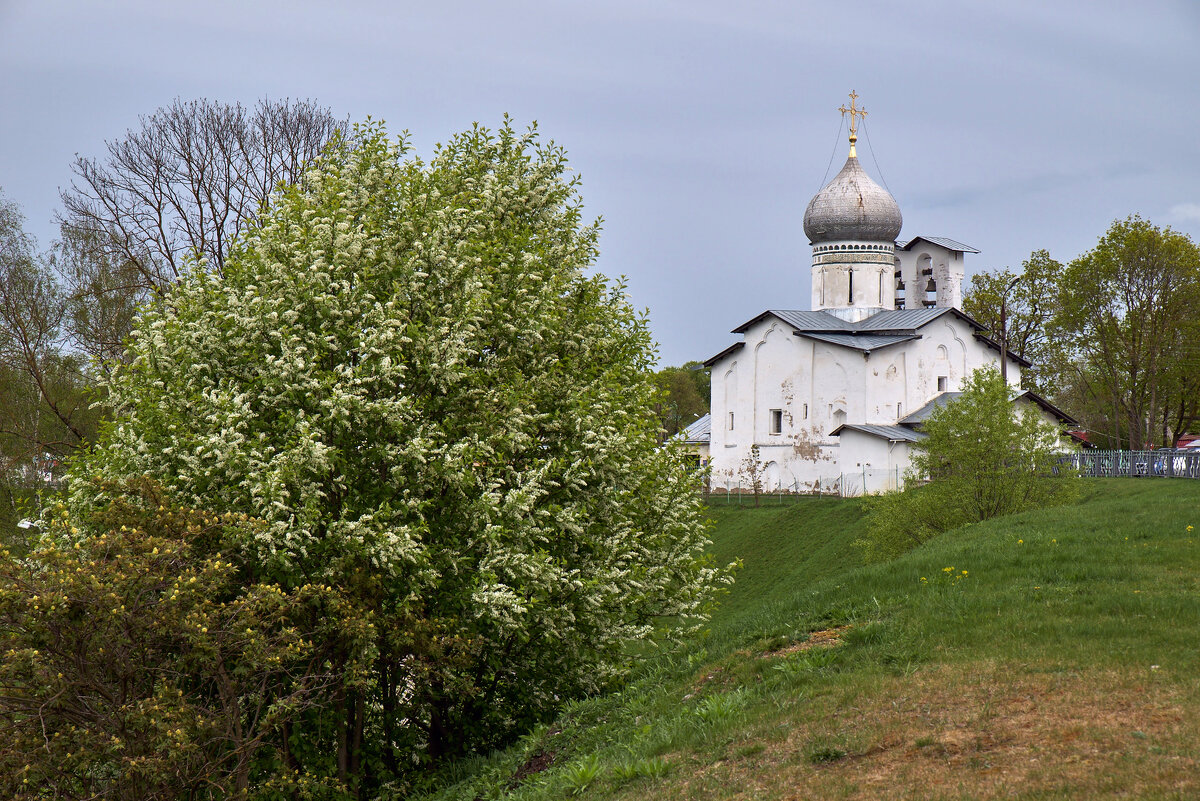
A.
x: 701, y: 129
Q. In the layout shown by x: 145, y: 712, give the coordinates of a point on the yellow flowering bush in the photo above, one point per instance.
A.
x: 137, y: 662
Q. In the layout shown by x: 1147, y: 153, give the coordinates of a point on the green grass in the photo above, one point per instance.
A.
x: 1062, y: 663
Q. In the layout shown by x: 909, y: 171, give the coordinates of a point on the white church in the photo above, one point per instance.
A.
x: 834, y: 396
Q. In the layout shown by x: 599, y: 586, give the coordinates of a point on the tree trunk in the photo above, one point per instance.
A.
x: 343, y: 757
x: 354, y: 733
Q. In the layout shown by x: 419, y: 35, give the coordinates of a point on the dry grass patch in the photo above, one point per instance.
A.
x: 979, y: 732
x: 826, y: 638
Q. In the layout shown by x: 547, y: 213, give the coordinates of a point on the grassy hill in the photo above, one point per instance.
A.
x: 1052, y: 654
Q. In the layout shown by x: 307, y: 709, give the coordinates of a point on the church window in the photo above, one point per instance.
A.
x: 899, y: 409
x: 806, y: 411
x: 943, y: 385
x: 851, y: 287
x: 777, y: 421
x: 731, y: 421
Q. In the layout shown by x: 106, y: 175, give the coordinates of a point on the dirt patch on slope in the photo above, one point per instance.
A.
x: 980, y: 732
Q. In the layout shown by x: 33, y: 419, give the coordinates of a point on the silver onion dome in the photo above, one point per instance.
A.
x: 852, y: 207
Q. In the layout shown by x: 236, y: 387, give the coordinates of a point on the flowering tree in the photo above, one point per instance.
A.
x: 406, y: 375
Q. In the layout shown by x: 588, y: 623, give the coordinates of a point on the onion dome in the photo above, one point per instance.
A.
x: 852, y: 207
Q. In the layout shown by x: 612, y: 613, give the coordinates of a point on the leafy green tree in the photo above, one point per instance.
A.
x: 1128, y: 318
x: 45, y: 407
x: 684, y: 396
x: 136, y: 662
x: 1030, y: 305
x: 983, y: 456
x: 406, y: 375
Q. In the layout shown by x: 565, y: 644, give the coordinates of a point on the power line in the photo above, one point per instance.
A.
x: 871, y: 147
x: 836, y: 140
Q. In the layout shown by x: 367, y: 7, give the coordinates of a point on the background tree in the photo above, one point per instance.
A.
x: 1031, y: 306
x: 405, y: 374
x: 1128, y: 318
x: 44, y: 401
x: 188, y: 180
x: 983, y: 457
x: 176, y: 190
x: 684, y: 396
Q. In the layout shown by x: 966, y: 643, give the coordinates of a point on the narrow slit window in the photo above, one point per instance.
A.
x: 731, y: 421
x: 777, y: 421
x: 806, y: 411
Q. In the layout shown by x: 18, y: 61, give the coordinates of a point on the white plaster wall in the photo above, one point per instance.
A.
x: 774, y: 371
x: 779, y: 370
x: 872, y: 463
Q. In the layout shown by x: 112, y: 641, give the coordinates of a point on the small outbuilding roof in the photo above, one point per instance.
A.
x: 890, y: 433
x: 699, y: 432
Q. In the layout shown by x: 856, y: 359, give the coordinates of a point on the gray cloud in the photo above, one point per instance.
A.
x: 701, y: 129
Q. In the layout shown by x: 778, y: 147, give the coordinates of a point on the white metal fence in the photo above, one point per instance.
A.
x: 1137, y: 464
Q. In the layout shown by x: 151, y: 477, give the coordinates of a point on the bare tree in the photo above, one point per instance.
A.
x: 176, y: 190
x: 184, y: 184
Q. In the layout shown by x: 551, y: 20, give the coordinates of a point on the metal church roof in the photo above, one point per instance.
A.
x: 946, y: 242
x: 863, y: 342
x: 904, y: 319
x: 922, y: 414
x: 864, y: 335
x: 802, y: 320
x: 736, y: 346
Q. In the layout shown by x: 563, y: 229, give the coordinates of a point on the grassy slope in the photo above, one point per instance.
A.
x: 1063, y: 663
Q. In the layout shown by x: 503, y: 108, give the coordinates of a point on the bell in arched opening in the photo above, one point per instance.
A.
x: 930, y: 293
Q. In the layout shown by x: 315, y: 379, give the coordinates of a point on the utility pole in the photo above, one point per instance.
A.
x: 1004, y: 328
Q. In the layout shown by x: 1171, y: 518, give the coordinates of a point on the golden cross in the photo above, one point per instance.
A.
x: 854, y: 113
